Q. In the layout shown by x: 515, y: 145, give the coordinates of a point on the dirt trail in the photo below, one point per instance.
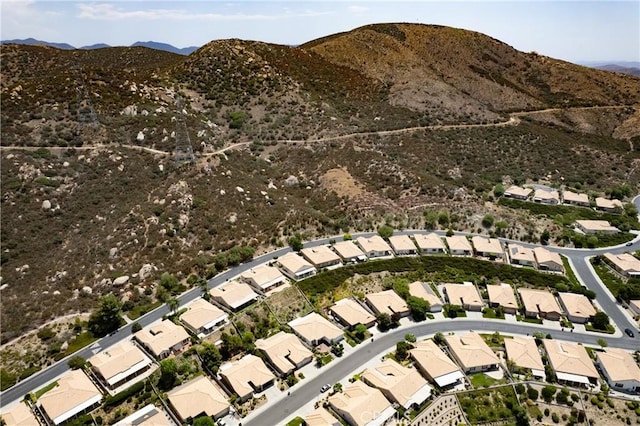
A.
x: 513, y: 120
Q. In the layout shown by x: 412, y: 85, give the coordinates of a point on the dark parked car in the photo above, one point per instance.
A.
x: 629, y: 332
x: 629, y: 244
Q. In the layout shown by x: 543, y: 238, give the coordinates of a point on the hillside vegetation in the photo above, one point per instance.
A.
x: 81, y: 207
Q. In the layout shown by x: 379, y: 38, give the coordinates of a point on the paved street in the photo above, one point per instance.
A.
x: 578, y: 258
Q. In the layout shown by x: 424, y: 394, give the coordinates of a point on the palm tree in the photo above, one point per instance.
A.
x: 173, y: 304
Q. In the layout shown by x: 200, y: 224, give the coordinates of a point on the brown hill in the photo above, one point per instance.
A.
x: 433, y: 67
x: 75, y: 219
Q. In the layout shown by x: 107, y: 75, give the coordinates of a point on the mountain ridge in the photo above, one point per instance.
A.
x: 391, y: 123
x: 65, y: 46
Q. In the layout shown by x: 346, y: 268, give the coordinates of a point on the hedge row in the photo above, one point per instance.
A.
x: 116, y: 399
x: 470, y: 268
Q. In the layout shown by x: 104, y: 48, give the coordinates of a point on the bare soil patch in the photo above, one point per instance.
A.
x: 289, y: 304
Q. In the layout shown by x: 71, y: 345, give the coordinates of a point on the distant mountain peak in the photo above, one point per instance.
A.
x: 65, y: 46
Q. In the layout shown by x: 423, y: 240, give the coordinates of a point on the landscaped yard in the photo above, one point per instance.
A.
x: 489, y: 405
x: 288, y: 304
x: 481, y: 380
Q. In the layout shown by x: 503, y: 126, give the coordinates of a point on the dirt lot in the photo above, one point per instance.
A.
x: 614, y: 411
x: 289, y: 304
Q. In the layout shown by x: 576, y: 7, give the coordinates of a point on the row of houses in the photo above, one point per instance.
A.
x: 310, y: 260
x: 626, y: 264
x: 554, y: 197
x: 370, y: 401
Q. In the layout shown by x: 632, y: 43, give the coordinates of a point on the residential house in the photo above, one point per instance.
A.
x: 234, y: 295
x: 465, y: 295
x: 349, y: 251
x: 399, y: 384
x: 577, y: 306
x: 523, y: 353
x: 149, y: 415
x: 296, y: 267
x: 430, y: 243
x: 634, y: 306
x: 625, y: 263
x: 518, y: 192
x: 314, y: 329
x: 590, y: 227
x: 459, y: 245
x: 374, y: 246
x: 435, y: 365
x: 75, y: 394
x: 264, y: 277
x: 487, y: 247
x: 620, y: 370
x: 285, y: 352
x: 361, y: 405
x: 403, y: 245
x: 201, y: 317
x: 321, y: 417
x: 472, y: 353
x: 571, y: 363
x: 120, y: 364
x: 351, y: 313
x: 543, y: 196
x: 387, y: 302
x: 610, y: 206
x: 502, y: 295
x: 246, y: 376
x: 548, y: 260
x: 540, y: 304
x: 162, y: 338
x: 424, y: 291
x: 199, y: 396
x: 520, y: 255
x: 575, y: 199
x: 19, y: 415
x: 321, y: 257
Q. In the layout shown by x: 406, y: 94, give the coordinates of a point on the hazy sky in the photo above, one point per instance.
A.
x: 571, y: 30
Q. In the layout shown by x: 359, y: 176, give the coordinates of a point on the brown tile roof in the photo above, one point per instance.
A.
x: 246, y: 374
x: 197, y: 396
x: 471, y: 350
x: 74, y: 391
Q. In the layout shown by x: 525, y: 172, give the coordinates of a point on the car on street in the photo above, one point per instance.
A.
x: 629, y: 244
x: 325, y: 388
x: 629, y: 332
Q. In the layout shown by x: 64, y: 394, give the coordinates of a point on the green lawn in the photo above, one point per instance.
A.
x: 83, y: 339
x: 481, y: 380
x: 45, y: 389
x: 491, y: 313
x: 297, y: 421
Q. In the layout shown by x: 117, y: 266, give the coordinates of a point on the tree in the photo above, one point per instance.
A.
x: 402, y: 350
x: 204, y: 288
x: 548, y: 392
x: 544, y: 237
x: 173, y: 304
x: 107, y: 318
x: 603, y: 343
x: 210, y: 357
x: 295, y: 242
x: 532, y: 393
x: 600, y: 321
x: 76, y: 362
x: 204, y: 421
x: 337, y: 388
x: 384, y: 321
x: 498, y: 190
x: 438, y: 339
x: 385, y: 231
x: 168, y: 373
x: 135, y: 327
x: 360, y: 330
x: 419, y: 307
x: 487, y: 221
x: 347, y: 237
x: 411, y: 338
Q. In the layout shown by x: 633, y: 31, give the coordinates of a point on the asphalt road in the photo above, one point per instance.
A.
x: 337, y: 370
x: 577, y: 256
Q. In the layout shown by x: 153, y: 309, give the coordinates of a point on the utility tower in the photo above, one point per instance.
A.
x: 86, y: 117
x: 184, y: 151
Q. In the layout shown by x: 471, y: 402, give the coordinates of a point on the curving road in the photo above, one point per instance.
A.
x: 578, y: 257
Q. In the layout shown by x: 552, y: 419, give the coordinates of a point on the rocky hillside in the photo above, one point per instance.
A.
x: 81, y: 207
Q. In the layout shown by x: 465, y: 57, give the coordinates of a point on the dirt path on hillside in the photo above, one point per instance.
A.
x: 513, y: 120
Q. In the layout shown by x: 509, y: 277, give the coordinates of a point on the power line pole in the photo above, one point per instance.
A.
x: 184, y: 150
